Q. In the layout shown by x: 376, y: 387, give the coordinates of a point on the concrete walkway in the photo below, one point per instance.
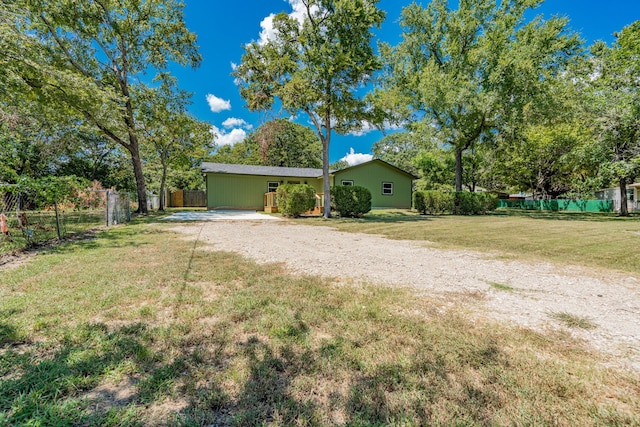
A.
x: 220, y: 215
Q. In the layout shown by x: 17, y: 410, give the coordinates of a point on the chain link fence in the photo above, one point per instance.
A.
x: 26, y: 222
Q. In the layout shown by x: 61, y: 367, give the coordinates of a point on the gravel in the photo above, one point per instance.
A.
x: 524, y: 293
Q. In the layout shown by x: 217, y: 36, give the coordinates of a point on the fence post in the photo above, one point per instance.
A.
x: 128, y: 207
x: 107, y: 204
x: 55, y: 205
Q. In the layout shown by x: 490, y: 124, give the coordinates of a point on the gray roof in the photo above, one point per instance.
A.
x: 261, y: 170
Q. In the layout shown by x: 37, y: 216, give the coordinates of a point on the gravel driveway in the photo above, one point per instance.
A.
x: 610, y: 300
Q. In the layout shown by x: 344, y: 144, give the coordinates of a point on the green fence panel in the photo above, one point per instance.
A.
x: 567, y: 205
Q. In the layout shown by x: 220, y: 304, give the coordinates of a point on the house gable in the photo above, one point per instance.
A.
x: 390, y: 186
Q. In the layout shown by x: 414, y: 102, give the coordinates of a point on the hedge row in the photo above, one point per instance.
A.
x: 435, y: 202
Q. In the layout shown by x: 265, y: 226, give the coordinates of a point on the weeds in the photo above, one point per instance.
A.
x: 573, y: 320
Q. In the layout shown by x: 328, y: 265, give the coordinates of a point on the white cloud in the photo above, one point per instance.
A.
x: 221, y: 137
x: 299, y: 13
x: 268, y: 32
x: 365, y: 128
x: 353, y: 158
x: 218, y: 104
x: 233, y: 122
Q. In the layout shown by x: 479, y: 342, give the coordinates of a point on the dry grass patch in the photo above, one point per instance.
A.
x: 561, y: 237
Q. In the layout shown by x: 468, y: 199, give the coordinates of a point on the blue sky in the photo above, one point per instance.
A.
x: 223, y: 27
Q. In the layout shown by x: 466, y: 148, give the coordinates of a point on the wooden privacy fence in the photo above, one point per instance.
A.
x: 187, y: 199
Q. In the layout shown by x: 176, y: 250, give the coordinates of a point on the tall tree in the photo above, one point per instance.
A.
x: 94, y: 53
x: 277, y: 142
x: 288, y: 144
x: 614, y: 101
x: 462, y: 74
x: 171, y: 134
x: 317, y: 66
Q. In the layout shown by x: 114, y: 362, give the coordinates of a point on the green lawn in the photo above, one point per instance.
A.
x: 593, y: 240
x: 139, y: 327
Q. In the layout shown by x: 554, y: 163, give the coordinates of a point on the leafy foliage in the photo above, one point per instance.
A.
x: 278, y: 142
x: 433, y: 202
x: 294, y: 199
x: 613, y: 92
x: 88, y: 57
x: 463, y: 74
x: 351, y: 201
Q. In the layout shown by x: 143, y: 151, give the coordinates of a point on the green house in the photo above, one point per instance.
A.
x: 232, y: 186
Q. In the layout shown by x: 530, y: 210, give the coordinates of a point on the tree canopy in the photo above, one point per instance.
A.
x: 316, y: 67
x: 278, y: 142
x: 89, y: 58
x: 465, y: 74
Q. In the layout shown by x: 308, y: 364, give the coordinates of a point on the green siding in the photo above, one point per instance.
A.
x: 371, y: 175
x: 245, y: 191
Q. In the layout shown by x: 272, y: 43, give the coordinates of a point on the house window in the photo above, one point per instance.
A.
x: 272, y: 186
x: 387, y: 188
x: 344, y: 182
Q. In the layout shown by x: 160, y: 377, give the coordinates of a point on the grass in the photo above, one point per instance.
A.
x: 140, y: 327
x: 593, y: 240
x: 501, y: 287
x: 42, y: 227
x: 573, y: 320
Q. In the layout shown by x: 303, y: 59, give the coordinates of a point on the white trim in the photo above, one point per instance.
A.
x: 390, y: 184
x: 269, y: 189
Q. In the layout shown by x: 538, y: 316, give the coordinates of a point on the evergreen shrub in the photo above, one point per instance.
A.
x: 351, y: 200
x: 294, y: 199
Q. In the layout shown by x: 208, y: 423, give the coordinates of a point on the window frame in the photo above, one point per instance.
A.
x: 349, y: 181
x: 390, y: 188
x: 269, y: 190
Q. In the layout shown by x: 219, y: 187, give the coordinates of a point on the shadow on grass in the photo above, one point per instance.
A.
x: 563, y: 216
x: 284, y: 383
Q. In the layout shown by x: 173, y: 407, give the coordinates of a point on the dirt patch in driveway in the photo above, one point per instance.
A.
x: 533, y: 295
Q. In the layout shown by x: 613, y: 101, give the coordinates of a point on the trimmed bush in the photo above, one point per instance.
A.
x: 438, y: 202
x: 419, y: 203
x: 433, y: 202
x: 466, y: 203
x: 294, y: 199
x: 351, y: 200
x: 489, y: 202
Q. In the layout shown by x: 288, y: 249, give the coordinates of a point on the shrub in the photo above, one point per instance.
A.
x: 419, y: 202
x: 489, y: 202
x: 351, y: 200
x: 294, y: 199
x: 439, y: 202
x: 474, y: 203
x: 433, y: 202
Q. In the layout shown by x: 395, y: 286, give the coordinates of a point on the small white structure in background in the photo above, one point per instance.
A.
x: 633, y: 191
x: 153, y: 202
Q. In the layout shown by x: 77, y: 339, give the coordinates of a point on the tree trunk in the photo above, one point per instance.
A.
x: 163, y: 181
x: 141, y: 186
x: 458, y: 169
x: 624, y: 211
x: 325, y: 177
